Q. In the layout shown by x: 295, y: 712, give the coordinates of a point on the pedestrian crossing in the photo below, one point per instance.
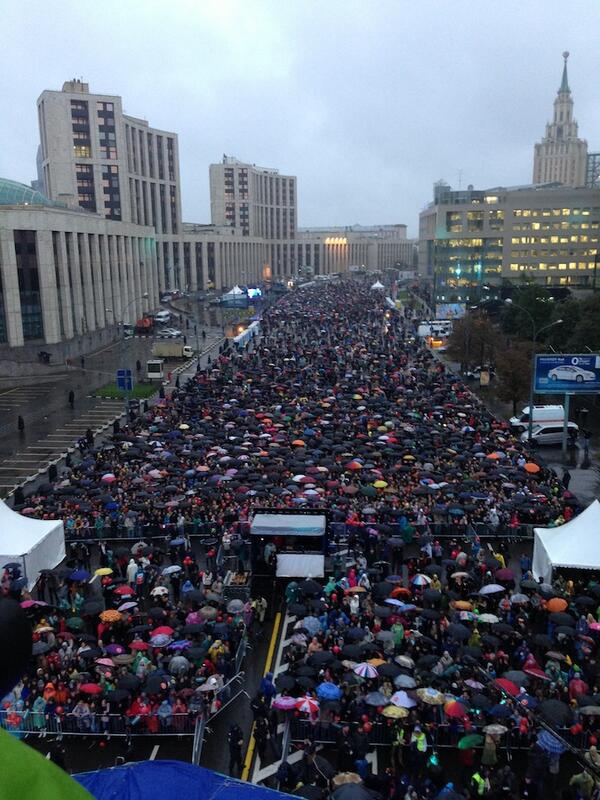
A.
x: 32, y: 460
x: 13, y: 400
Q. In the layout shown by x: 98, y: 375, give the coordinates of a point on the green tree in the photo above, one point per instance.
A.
x: 473, y: 340
x: 513, y: 372
x: 586, y: 333
x: 535, y: 300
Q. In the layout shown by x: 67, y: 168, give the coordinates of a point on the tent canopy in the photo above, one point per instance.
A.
x: 147, y: 780
x: 377, y: 285
x: 34, y: 543
x: 235, y: 291
x: 575, y: 545
x: 288, y: 525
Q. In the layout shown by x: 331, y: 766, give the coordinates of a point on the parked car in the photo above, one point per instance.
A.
x: 476, y: 372
x: 569, y: 372
x: 551, y: 434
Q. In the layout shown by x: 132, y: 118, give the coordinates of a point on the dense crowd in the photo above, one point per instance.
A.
x: 336, y: 405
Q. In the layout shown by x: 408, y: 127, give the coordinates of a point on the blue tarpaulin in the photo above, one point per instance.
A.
x: 165, y: 780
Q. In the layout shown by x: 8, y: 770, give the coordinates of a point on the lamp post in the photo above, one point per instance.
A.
x: 534, y: 338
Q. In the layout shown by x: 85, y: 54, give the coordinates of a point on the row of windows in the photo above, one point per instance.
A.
x: 544, y: 267
x: 555, y: 212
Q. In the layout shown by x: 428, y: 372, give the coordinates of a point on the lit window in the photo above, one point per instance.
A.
x: 572, y: 265
x: 566, y: 212
x: 562, y: 266
x: 81, y: 151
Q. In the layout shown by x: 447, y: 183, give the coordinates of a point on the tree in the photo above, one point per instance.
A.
x: 513, y: 372
x: 534, y: 299
x: 473, y: 340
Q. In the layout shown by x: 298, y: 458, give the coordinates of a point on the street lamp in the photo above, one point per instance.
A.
x: 536, y: 333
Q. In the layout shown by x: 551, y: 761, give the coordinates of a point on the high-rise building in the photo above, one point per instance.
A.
x: 561, y: 156
x: 255, y: 201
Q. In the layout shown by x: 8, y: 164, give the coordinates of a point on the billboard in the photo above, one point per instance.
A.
x: 572, y: 374
x: 450, y: 310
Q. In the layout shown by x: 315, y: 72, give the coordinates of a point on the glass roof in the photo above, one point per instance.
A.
x: 18, y: 194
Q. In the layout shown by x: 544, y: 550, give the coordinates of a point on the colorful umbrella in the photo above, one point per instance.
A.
x: 395, y: 712
x: 308, y: 705
x: 470, y: 740
x: 111, y: 616
x: 285, y: 703
x: 365, y: 670
x: 421, y: 580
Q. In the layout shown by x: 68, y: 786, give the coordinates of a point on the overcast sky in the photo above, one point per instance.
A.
x: 368, y: 102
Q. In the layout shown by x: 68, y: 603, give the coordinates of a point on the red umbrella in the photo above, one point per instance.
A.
x: 508, y: 686
x: 505, y: 574
x: 455, y: 709
x: 124, y: 590
x: 537, y: 672
x: 307, y: 704
x: 577, y: 686
x: 139, y: 646
x: 91, y: 688
x: 162, y: 629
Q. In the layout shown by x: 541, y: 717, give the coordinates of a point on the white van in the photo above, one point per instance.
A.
x: 162, y: 317
x: 548, y: 415
x: 551, y: 434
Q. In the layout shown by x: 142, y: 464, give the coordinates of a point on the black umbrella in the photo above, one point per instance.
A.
x: 430, y: 613
x: 382, y: 611
x: 352, y: 652
x: 285, y: 682
x: 389, y: 670
x: 297, y: 609
x: 129, y: 683
x: 92, y: 607
x: 306, y: 683
x: 481, y: 701
x: 458, y: 632
x: 306, y: 671
x: 117, y: 695
x: 320, y: 658
x: 562, y: 618
x: 555, y: 712
x: 310, y: 587
x: 432, y: 595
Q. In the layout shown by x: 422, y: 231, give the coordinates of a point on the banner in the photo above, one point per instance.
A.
x: 571, y: 374
x: 450, y: 310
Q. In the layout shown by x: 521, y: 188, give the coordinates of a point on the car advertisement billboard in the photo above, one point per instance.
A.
x: 571, y: 374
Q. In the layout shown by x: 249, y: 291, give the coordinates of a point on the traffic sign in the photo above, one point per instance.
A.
x: 124, y: 380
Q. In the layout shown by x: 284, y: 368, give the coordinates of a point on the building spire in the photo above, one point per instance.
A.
x: 564, y: 84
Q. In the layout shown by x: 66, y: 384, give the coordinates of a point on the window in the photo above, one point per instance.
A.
x: 160, y: 157
x: 171, y: 161
x: 111, y: 192
x: 86, y: 195
x: 29, y: 284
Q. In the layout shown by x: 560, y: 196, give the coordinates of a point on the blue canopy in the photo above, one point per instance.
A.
x: 164, y: 780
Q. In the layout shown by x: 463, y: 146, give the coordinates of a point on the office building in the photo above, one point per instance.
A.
x: 592, y: 178
x: 470, y: 240
x: 561, y: 156
x: 254, y: 201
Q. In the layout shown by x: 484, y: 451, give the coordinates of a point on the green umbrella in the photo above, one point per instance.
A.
x: 75, y: 624
x: 470, y: 740
x: 368, y: 491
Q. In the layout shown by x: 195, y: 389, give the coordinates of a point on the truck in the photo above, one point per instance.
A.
x: 166, y: 348
x: 144, y: 326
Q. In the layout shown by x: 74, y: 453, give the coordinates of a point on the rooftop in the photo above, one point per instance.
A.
x: 13, y: 193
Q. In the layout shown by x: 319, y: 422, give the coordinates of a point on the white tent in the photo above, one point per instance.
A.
x: 234, y: 292
x: 575, y: 545
x: 35, y: 544
x: 377, y: 285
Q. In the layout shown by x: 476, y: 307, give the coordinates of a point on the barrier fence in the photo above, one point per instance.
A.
x: 438, y: 736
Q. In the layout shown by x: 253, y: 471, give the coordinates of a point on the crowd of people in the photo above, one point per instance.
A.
x: 336, y: 405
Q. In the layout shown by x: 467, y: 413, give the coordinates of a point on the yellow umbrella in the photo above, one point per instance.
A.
x: 394, y: 712
x: 110, y: 616
x: 357, y: 397
x: 376, y: 662
x: 184, y: 426
x: 380, y: 484
x: 408, y: 458
x: 104, y: 571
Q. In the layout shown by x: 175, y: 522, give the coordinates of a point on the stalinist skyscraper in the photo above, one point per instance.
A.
x: 561, y: 156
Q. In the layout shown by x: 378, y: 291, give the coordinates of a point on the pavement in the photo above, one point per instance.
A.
x: 52, y: 428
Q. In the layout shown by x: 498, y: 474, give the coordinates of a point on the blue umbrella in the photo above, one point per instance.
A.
x: 527, y: 700
x: 328, y: 691
x: 550, y: 743
x: 79, y: 575
x: 312, y: 625
x: 177, y: 542
x: 112, y: 506
x: 501, y: 711
x: 171, y: 569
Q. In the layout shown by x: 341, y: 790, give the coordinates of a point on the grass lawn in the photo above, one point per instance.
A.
x: 140, y: 391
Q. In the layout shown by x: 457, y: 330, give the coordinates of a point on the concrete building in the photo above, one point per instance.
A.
x: 254, y: 201
x: 470, y: 240
x: 561, y: 156
x: 66, y: 273
x: 97, y: 158
x: 377, y: 247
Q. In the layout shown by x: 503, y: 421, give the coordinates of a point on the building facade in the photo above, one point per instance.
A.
x: 254, y: 201
x: 65, y: 273
x: 561, y: 156
x: 470, y: 240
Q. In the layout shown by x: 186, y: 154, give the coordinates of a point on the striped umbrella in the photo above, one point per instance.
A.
x: 285, y: 703
x: 421, y: 580
x: 365, y: 670
x: 308, y: 705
